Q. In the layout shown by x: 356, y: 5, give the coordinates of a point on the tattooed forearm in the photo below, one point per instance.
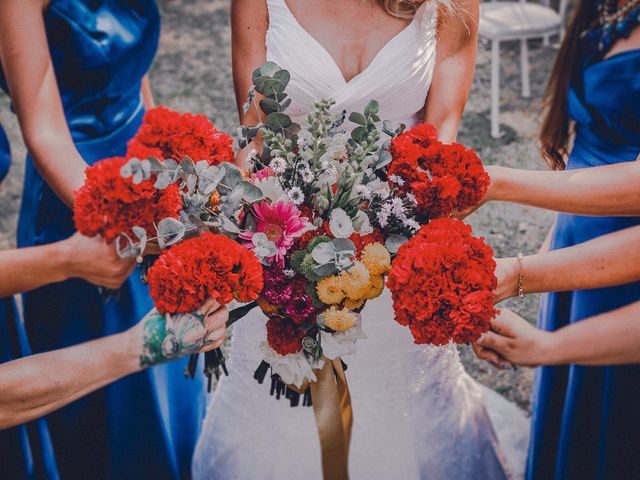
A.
x: 171, y: 336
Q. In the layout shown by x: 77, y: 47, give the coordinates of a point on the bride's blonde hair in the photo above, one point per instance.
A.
x: 408, y: 8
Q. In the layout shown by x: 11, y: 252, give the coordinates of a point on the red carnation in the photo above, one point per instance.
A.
x: 168, y: 134
x: 209, y: 266
x: 284, y: 336
x: 442, y: 177
x: 109, y: 204
x: 442, y: 284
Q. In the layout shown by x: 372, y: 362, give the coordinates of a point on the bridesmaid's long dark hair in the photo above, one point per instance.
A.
x: 556, y: 126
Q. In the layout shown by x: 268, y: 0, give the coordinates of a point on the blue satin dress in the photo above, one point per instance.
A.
x: 586, y: 420
x: 146, y: 425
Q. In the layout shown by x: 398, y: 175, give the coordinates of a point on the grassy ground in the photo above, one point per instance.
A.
x: 192, y: 72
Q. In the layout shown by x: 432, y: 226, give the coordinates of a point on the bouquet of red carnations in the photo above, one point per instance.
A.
x: 442, y: 284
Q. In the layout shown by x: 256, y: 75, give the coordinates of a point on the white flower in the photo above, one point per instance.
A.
x: 396, y: 179
x: 289, y: 273
x: 271, y: 189
x: 340, y: 224
x: 339, y: 344
x: 294, y: 369
x: 383, y: 218
x: 278, y: 165
x: 397, y: 207
x: 328, y: 168
x: 307, y: 176
x: 253, y: 155
x: 363, y: 191
x: 411, y: 224
x: 378, y: 188
x: 362, y: 224
x: 296, y: 195
x: 411, y: 197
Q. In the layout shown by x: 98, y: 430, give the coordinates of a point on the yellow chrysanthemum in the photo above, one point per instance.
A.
x: 375, y: 287
x: 339, y: 320
x: 355, y: 281
x: 266, y: 307
x: 331, y: 290
x: 376, y: 258
x: 352, y: 304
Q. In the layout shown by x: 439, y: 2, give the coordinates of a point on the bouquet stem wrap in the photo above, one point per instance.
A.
x: 334, y: 418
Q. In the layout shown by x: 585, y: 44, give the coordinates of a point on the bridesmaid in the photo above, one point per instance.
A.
x: 75, y: 71
x: 586, y: 422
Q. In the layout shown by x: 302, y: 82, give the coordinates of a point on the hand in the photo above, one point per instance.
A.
x: 516, y: 340
x: 161, y: 338
x: 95, y: 261
x: 507, y: 271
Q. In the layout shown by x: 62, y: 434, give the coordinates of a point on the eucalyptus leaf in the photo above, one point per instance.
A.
x: 163, y: 180
x: 394, y: 242
x: 267, y: 69
x: 358, y: 118
x: 125, y: 248
x: 285, y: 104
x: 384, y: 159
x: 323, y: 253
x: 269, y: 87
x: 269, y: 105
x: 141, y: 235
x: 282, y: 76
x: 232, y: 201
x: 343, y: 245
x: 278, y: 121
x: 228, y: 225
x: 372, y: 108
x: 210, y: 179
x: 232, y: 177
x: 359, y: 134
x: 187, y: 165
x: 170, y: 231
x: 251, y: 193
x: 325, y: 270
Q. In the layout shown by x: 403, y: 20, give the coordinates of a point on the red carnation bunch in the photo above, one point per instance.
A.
x: 109, y: 204
x: 442, y: 177
x: 442, y: 284
x: 284, y: 336
x: 208, y: 266
x: 168, y: 134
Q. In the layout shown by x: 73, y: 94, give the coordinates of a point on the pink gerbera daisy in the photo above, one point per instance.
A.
x: 281, y: 223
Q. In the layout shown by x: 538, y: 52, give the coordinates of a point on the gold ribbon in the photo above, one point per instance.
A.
x: 334, y: 418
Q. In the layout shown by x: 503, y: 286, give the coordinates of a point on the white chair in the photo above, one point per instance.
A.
x: 516, y: 20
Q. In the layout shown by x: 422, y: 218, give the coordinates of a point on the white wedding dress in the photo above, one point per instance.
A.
x: 417, y: 414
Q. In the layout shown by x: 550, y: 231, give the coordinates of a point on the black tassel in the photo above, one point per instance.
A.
x: 190, y: 369
x: 306, y: 400
x: 344, y: 365
x: 261, y: 372
x: 281, y: 389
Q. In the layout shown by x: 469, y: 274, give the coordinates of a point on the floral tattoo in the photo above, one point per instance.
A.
x: 167, y: 337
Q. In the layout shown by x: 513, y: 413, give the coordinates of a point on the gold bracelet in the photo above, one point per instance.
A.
x: 520, y: 276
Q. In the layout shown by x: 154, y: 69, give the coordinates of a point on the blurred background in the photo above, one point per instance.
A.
x: 192, y: 72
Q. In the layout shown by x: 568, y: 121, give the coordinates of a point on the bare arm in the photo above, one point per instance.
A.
x: 147, y: 94
x: 249, y: 23
x: 76, y: 257
x: 455, y: 65
x: 609, y: 260
x: 37, y: 385
x: 24, y: 54
x: 608, y: 339
x: 606, y: 190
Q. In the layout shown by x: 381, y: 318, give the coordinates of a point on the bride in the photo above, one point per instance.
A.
x: 417, y: 414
